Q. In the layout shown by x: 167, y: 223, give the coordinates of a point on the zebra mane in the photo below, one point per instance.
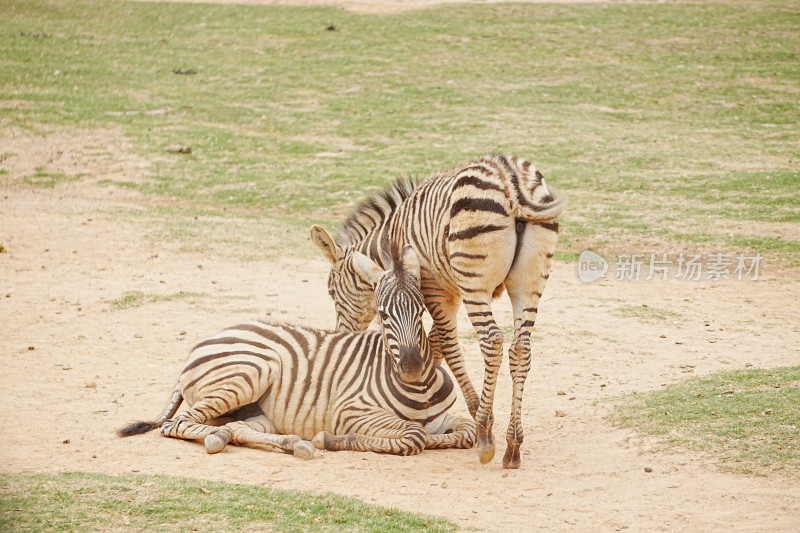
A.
x: 371, y: 213
x: 394, y: 256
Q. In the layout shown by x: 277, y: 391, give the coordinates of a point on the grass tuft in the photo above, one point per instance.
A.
x: 747, y: 421
x: 138, y: 298
x: 646, y: 313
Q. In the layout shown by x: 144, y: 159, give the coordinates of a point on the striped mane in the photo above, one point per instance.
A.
x: 394, y: 256
x: 372, y: 212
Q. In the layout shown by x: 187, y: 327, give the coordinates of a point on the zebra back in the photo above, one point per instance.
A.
x: 461, y: 222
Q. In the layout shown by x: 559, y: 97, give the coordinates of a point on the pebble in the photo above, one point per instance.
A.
x: 179, y: 149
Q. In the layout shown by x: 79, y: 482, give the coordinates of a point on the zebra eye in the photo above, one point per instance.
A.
x: 383, y: 314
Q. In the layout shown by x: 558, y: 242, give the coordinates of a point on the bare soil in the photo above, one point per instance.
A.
x: 76, y: 367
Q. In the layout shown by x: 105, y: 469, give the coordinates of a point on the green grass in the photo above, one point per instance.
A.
x: 96, y: 502
x: 746, y: 420
x: 48, y: 180
x: 661, y: 121
x: 138, y: 298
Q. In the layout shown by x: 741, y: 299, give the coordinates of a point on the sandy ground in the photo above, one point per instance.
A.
x: 75, y: 368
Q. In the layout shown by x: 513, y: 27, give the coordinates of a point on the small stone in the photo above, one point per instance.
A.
x: 560, y: 413
x: 31, y: 348
x: 768, y: 412
x: 561, y: 393
x: 648, y: 469
x: 179, y: 149
x: 65, y: 441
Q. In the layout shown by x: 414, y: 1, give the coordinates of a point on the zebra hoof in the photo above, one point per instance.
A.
x: 511, y: 459
x: 486, y: 453
x: 319, y: 440
x: 304, y: 450
x: 214, y: 443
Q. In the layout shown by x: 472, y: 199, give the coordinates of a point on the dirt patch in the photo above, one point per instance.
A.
x: 63, y: 154
x: 77, y: 367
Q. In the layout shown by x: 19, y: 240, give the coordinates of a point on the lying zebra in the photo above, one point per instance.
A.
x: 283, y: 385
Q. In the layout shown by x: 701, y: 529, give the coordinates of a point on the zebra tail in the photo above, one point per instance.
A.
x: 547, y: 209
x: 137, y: 428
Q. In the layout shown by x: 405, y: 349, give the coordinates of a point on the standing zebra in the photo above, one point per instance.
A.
x: 478, y: 229
x: 377, y: 391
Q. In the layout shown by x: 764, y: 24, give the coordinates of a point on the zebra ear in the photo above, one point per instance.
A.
x: 411, y: 261
x: 367, y: 268
x: 325, y: 242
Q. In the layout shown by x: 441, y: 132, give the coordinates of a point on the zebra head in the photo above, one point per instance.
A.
x: 400, y: 307
x: 360, y: 289
x: 352, y: 293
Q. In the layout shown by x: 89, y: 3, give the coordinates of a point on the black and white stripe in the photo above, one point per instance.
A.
x: 488, y: 226
x: 287, y: 385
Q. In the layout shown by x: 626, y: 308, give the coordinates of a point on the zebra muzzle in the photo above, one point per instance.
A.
x: 411, y: 363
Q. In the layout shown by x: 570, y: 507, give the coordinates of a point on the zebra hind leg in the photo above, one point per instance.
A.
x: 191, y: 425
x: 479, y: 310
x: 519, y: 361
x: 261, y: 431
x: 525, y: 284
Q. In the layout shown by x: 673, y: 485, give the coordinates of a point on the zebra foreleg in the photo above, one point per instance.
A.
x: 411, y: 443
x: 380, y: 433
x: 445, y: 344
x: 259, y: 430
x: 450, y: 431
